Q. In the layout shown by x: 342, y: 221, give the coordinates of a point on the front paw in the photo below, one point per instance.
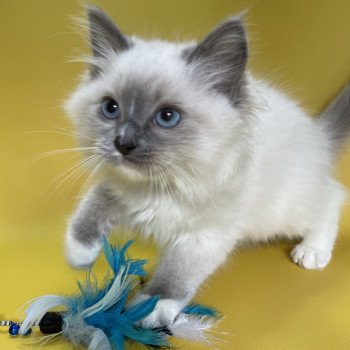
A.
x: 163, y: 315
x: 310, y: 257
x: 78, y: 254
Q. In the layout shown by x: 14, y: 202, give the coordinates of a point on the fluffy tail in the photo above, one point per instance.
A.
x: 336, y: 119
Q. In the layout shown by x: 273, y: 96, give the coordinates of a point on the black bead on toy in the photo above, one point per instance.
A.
x: 51, y: 323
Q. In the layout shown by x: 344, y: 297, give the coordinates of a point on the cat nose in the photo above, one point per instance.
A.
x: 126, y: 139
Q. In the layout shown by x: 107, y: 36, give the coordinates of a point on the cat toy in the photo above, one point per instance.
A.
x: 99, y: 318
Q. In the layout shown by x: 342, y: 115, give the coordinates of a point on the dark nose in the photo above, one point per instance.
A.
x: 126, y: 139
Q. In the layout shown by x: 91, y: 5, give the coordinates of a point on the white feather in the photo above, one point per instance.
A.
x: 112, y: 296
x: 99, y: 341
x: 36, y: 311
x: 193, y: 328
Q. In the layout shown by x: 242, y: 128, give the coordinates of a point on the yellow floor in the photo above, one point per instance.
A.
x: 268, y: 302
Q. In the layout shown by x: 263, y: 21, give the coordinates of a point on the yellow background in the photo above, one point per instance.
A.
x: 269, y: 303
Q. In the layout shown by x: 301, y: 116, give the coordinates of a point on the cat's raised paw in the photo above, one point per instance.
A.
x: 310, y: 257
x: 79, y: 255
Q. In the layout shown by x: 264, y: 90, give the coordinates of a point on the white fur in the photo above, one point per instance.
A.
x: 310, y: 257
x: 165, y: 312
x: 259, y: 174
x: 80, y: 255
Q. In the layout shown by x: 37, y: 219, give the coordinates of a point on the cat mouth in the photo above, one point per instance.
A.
x: 129, y: 163
x: 135, y: 163
x: 131, y: 168
x: 120, y: 161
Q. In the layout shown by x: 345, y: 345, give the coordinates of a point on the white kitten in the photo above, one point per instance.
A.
x: 192, y: 150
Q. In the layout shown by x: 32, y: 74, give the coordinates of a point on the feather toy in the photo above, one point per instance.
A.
x: 98, y: 316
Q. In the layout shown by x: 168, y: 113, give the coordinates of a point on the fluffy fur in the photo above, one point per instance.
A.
x: 244, y: 163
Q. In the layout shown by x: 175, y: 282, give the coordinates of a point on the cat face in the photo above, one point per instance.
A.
x: 153, y: 106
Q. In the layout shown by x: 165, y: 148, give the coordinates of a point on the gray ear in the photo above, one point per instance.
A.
x: 222, y: 57
x: 105, y: 36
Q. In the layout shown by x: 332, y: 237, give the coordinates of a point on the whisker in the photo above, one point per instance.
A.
x: 89, y: 178
x: 168, y: 185
x: 71, y: 134
x: 68, y: 173
x: 84, y: 164
x: 59, y: 151
x: 153, y: 183
x: 81, y: 172
x: 179, y: 171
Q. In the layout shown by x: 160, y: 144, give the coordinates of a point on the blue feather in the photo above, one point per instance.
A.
x: 201, y: 310
x: 103, y: 305
x: 117, y: 258
x: 141, y: 310
x: 118, y: 340
x: 117, y: 321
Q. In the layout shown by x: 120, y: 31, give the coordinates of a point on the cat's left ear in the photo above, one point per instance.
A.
x: 105, y: 36
x: 221, y: 58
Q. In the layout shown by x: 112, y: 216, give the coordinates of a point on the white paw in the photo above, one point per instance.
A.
x: 78, y: 255
x: 310, y: 257
x: 164, y: 314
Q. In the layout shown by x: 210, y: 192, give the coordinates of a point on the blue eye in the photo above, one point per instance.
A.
x: 110, y: 109
x: 167, y: 117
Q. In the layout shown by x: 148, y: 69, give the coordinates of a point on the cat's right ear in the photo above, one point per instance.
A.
x: 221, y: 57
x: 105, y: 36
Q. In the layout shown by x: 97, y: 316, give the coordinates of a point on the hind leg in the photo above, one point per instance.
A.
x: 315, y: 250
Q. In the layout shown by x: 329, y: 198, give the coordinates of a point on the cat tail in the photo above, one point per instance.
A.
x: 336, y: 120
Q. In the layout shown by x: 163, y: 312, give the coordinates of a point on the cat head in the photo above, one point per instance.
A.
x: 153, y: 107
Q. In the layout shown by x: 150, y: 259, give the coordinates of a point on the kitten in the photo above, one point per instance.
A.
x: 189, y: 148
